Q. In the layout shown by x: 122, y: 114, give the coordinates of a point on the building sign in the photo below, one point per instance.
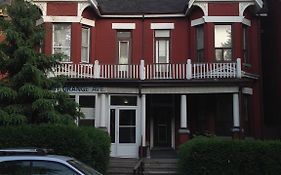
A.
x: 82, y: 89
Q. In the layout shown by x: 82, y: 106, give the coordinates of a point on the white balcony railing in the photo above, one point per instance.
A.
x: 151, y: 71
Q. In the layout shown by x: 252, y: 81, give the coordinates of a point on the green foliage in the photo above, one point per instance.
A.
x: 87, y: 144
x: 27, y: 85
x: 213, y: 156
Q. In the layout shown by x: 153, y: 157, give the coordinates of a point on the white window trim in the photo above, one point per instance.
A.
x: 156, y: 26
x: 221, y: 19
x: 126, y: 26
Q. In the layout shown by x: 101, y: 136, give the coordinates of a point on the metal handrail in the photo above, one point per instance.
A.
x: 139, y: 167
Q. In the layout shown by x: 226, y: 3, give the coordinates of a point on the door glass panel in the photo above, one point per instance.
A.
x: 15, y: 168
x: 127, y: 135
x: 127, y: 126
x: 127, y: 117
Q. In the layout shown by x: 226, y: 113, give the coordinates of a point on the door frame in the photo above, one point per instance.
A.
x: 172, y: 132
x: 116, y: 147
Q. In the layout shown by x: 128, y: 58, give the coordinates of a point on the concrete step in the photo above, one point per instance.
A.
x: 121, y: 166
x: 160, y: 166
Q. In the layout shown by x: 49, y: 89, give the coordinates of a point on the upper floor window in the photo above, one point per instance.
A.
x: 123, y: 48
x: 162, y: 46
x: 200, y: 43
x: 245, y: 44
x: 223, y: 42
x: 62, y: 39
x: 85, y: 45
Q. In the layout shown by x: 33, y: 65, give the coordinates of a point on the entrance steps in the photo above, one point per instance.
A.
x: 153, y: 166
x: 121, y: 166
x: 160, y: 166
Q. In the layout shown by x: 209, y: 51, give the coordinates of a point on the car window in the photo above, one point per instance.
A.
x: 15, y: 168
x: 83, y: 167
x: 50, y: 168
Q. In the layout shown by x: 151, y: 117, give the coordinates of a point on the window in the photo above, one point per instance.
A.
x: 223, y: 42
x: 87, y: 106
x: 85, y: 45
x: 162, y: 46
x: 245, y: 44
x: 200, y: 43
x: 123, y: 48
x: 62, y: 40
x: 50, y: 168
x: 15, y: 168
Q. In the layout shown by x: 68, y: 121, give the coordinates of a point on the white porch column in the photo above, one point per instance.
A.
x: 102, y: 111
x: 236, y: 117
x: 183, y: 121
x: 143, y: 117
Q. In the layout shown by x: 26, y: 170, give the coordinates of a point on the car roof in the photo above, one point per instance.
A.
x: 56, y: 158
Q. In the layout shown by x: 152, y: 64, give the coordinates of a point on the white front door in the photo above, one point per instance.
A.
x: 124, y: 132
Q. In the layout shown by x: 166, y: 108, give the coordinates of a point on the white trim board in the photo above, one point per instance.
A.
x: 221, y: 19
x: 123, y: 26
x: 162, y: 26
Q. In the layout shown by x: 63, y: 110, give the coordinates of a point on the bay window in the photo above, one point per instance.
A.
x: 223, y: 42
x: 62, y: 40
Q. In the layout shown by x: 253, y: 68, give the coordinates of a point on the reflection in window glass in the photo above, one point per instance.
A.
x: 245, y: 44
x: 127, y: 135
x: 62, y: 40
x: 15, y: 168
x: 223, y: 42
x: 85, y: 45
x: 50, y: 168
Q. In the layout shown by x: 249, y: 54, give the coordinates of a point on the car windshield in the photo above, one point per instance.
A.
x: 83, y: 167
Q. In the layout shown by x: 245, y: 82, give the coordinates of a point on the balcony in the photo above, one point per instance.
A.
x: 142, y: 71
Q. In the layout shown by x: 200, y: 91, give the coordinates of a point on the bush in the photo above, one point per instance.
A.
x: 87, y: 144
x: 203, y: 156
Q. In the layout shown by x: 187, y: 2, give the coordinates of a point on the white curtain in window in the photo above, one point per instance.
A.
x: 62, y: 40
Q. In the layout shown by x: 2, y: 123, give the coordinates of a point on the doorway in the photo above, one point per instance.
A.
x: 162, y: 126
x: 124, y: 131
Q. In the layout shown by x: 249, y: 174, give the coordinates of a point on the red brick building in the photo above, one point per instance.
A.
x: 154, y: 73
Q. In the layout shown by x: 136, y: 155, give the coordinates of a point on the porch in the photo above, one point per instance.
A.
x: 142, y: 71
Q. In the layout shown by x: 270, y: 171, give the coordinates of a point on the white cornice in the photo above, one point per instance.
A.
x: 66, y: 19
x: 221, y: 19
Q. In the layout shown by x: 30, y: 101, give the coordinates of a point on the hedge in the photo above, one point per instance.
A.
x: 213, y: 156
x: 87, y: 144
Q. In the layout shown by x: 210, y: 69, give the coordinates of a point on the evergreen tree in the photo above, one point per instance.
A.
x: 27, y: 94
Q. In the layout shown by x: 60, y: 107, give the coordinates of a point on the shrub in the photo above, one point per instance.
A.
x: 87, y: 144
x: 214, y: 156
